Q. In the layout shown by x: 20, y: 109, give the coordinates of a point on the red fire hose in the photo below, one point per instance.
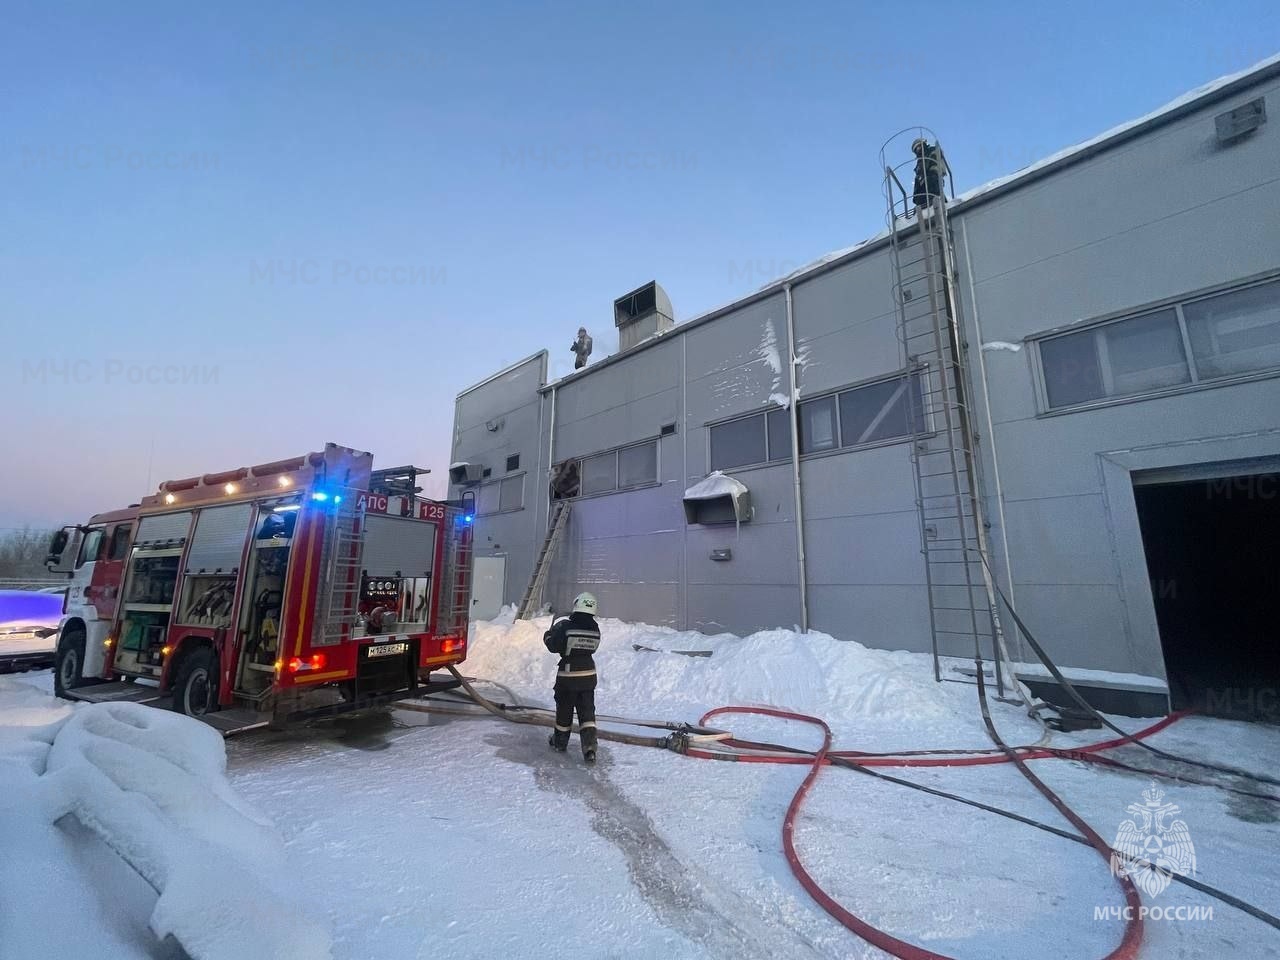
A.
x: 706, y: 743
x: 1132, y: 937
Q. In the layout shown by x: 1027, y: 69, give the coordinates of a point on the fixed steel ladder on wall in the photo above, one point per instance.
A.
x: 542, y: 567
x: 339, y: 597
x: 962, y: 603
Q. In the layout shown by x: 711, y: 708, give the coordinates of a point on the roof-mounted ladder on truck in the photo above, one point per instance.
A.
x: 963, y: 614
x: 542, y: 567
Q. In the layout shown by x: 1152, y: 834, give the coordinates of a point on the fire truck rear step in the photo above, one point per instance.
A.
x: 379, y: 700
x: 229, y: 722
x: 118, y: 692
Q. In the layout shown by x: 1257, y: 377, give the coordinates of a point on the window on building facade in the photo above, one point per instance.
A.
x: 619, y: 469
x: 600, y: 473
x: 818, y: 425
x: 1229, y: 334
x: 638, y: 464
x: 488, y: 498
x: 1116, y: 360
x: 874, y: 413
x: 565, y: 480
x: 881, y: 411
x: 778, y: 423
x: 738, y: 442
x: 500, y: 496
x: 760, y: 438
x: 511, y: 495
x: 513, y: 462
x: 1235, y: 332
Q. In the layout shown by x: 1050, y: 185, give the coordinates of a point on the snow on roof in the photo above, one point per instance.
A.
x: 716, y: 485
x: 969, y: 196
x: 1181, y: 101
x: 504, y: 371
x: 1065, y: 154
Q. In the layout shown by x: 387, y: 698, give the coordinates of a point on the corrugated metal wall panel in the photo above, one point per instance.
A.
x: 167, y: 526
x: 396, y: 545
x: 219, y: 538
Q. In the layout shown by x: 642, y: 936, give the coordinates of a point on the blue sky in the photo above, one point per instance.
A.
x: 233, y: 233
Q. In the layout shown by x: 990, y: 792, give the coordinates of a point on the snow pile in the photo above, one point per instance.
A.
x: 507, y: 615
x: 26, y: 714
x: 151, y: 786
x: 716, y: 484
x: 992, y: 345
x: 864, y: 694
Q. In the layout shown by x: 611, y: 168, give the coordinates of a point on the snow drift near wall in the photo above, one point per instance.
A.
x: 151, y: 785
x: 854, y: 687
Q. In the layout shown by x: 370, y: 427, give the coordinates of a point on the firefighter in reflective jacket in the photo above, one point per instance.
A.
x: 575, y: 639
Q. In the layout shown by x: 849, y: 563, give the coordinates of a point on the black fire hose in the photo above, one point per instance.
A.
x: 542, y: 717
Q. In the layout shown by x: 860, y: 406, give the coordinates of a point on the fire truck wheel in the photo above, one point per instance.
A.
x: 69, y: 661
x: 195, y: 691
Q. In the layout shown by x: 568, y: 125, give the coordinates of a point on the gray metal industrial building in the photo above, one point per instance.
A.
x: 1119, y: 313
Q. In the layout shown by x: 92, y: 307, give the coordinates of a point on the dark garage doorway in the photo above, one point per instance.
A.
x: 1213, y: 554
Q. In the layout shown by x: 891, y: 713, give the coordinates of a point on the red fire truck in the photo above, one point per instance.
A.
x: 266, y: 594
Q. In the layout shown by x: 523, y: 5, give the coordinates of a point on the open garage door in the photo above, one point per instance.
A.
x: 1213, y: 553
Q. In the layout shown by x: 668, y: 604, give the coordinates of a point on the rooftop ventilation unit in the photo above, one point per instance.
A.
x: 461, y: 474
x: 641, y: 314
x: 1241, y: 121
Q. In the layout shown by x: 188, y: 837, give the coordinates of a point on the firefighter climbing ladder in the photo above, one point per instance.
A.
x: 541, y: 569
x: 962, y: 602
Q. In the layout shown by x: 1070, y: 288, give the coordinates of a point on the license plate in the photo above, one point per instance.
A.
x: 388, y: 649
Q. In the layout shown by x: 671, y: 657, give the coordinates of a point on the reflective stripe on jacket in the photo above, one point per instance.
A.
x: 575, y: 639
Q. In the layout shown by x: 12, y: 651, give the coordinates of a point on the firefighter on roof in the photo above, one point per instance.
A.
x: 575, y: 639
x: 929, y: 172
x: 581, y: 348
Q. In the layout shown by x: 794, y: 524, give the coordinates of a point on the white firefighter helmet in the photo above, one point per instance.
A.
x: 585, y: 603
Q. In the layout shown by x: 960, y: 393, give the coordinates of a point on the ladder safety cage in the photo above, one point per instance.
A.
x: 953, y: 529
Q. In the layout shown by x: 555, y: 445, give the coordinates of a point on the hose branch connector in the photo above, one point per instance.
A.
x: 678, y: 742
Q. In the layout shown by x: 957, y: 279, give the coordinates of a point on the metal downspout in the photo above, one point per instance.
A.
x: 537, y: 473
x: 991, y: 430
x: 551, y: 462
x: 793, y: 407
x: 684, y: 478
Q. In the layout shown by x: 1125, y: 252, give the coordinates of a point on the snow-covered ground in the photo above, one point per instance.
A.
x: 116, y: 818
x: 430, y: 835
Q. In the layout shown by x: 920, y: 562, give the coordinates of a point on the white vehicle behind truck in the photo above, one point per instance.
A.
x: 28, y: 628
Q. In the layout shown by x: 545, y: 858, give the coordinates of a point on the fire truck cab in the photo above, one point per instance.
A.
x: 93, y: 556
x: 265, y: 594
